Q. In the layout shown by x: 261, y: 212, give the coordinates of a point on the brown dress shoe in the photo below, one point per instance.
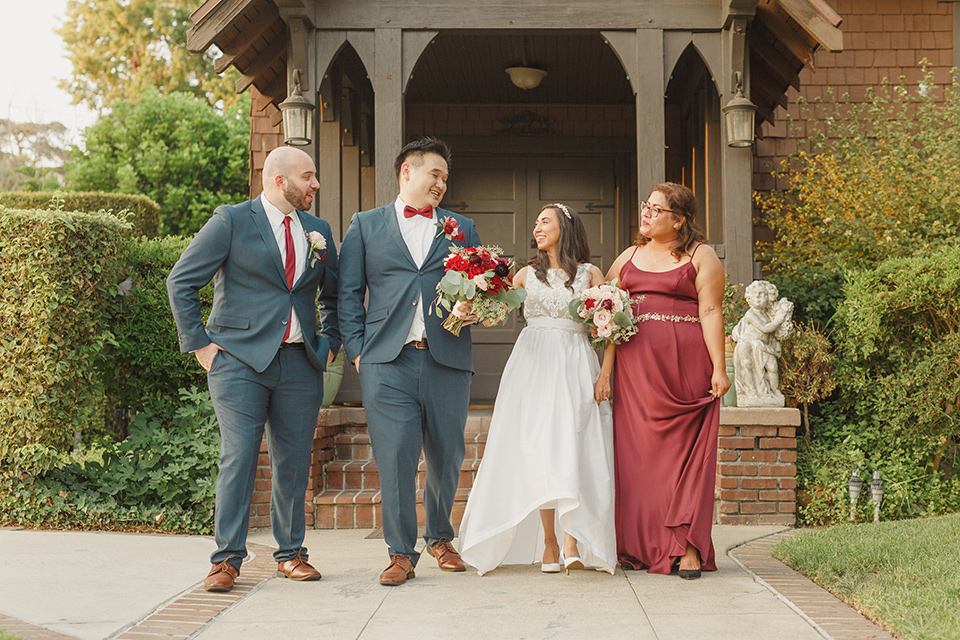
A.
x: 447, y: 557
x: 399, y: 571
x: 297, y: 569
x: 221, y: 577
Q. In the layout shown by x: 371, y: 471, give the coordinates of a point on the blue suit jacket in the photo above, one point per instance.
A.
x: 375, y: 261
x: 251, y: 300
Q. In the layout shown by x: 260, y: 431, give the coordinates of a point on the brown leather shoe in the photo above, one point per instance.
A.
x: 297, y: 569
x: 221, y: 577
x: 447, y: 556
x: 399, y: 571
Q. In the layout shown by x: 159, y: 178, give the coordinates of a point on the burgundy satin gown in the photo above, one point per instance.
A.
x: 665, y: 426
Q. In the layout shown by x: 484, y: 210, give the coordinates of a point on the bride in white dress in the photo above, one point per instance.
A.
x: 548, y: 461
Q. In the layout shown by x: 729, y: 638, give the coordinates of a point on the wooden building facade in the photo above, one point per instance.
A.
x: 632, y: 96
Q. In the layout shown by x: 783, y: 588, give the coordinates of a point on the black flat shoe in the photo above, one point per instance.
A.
x: 689, y: 574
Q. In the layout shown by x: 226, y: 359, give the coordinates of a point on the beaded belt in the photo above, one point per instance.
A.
x: 644, y: 317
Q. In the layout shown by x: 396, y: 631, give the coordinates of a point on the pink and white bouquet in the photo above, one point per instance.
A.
x: 480, y: 276
x: 607, y: 309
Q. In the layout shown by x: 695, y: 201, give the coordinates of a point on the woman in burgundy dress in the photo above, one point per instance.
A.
x: 667, y: 384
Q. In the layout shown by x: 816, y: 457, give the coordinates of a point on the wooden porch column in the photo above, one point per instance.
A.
x: 641, y: 54
x: 737, y: 165
x: 387, y: 81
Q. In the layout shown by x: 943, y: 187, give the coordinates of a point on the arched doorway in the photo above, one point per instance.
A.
x: 693, y: 137
x: 571, y: 140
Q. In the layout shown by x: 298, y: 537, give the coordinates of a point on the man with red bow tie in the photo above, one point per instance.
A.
x: 414, y: 374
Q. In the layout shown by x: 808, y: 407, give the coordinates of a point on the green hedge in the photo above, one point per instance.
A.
x: 59, y: 273
x: 145, y: 212
x: 898, y: 406
x: 144, y: 361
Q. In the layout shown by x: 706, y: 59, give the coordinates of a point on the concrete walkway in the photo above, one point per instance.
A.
x: 101, y: 585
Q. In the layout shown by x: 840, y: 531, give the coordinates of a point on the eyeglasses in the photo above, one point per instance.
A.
x: 654, y: 210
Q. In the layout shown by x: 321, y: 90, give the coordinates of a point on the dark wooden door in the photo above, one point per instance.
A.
x: 503, y: 196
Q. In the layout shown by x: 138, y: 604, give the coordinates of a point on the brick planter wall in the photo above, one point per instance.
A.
x: 757, y: 466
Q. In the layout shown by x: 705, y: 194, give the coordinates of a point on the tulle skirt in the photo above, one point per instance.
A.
x: 549, y: 447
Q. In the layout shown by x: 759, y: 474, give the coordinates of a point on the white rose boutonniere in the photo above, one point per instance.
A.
x: 317, y: 245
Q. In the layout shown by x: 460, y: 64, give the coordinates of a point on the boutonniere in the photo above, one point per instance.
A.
x: 449, y: 228
x: 317, y: 244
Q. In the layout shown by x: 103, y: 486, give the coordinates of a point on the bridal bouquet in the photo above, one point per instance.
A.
x: 479, y: 276
x: 608, y: 309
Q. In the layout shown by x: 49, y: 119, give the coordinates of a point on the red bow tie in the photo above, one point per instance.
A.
x: 409, y: 212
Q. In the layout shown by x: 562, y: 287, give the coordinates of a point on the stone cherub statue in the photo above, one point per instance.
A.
x: 758, y: 336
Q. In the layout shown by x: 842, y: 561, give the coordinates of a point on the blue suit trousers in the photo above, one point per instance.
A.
x: 284, y: 400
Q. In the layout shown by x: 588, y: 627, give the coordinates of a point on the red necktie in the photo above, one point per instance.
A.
x: 409, y: 212
x: 290, y: 266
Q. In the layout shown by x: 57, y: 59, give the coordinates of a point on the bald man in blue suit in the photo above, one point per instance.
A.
x: 270, y: 262
x: 414, y: 374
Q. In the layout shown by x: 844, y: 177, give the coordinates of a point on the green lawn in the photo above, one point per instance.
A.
x: 6, y: 635
x: 905, y: 575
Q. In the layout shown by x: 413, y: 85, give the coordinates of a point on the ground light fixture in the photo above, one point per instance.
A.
x: 297, y: 116
x: 876, y: 494
x: 739, y: 116
x: 855, y: 486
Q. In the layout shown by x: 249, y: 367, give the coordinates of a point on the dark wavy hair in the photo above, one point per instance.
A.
x: 572, y: 248
x: 684, y: 206
x: 413, y: 152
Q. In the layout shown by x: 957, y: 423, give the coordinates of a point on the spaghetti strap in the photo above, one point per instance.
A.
x: 699, y: 244
x: 635, y: 247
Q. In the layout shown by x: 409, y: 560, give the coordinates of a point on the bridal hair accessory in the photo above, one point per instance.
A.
x: 563, y: 208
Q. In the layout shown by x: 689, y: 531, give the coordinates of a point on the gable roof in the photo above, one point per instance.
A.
x: 783, y: 37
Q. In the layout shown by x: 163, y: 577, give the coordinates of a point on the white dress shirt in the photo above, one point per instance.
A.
x: 418, y: 233
x: 275, y: 217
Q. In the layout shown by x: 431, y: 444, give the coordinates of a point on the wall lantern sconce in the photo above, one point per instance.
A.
x: 739, y: 115
x: 526, y: 77
x: 297, y: 115
x: 854, y: 486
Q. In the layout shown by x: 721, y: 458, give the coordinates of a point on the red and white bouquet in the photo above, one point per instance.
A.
x: 607, y: 309
x: 476, y: 283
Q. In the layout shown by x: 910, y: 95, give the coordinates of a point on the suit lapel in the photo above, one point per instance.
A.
x: 389, y: 215
x: 440, y: 243
x: 263, y: 224
x: 308, y: 226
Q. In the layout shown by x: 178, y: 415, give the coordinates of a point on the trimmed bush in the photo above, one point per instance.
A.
x: 144, y: 212
x: 144, y: 360
x: 899, y: 402
x: 59, y: 272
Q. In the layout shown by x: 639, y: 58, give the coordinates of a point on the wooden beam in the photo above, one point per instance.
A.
x: 773, y: 62
x: 263, y: 60
x: 276, y: 90
x: 793, y: 41
x: 214, y: 22
x: 814, y: 22
x: 764, y: 90
x: 519, y: 14
x: 244, y: 40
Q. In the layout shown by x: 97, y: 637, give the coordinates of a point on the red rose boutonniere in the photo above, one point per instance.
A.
x: 449, y: 228
x: 317, y: 244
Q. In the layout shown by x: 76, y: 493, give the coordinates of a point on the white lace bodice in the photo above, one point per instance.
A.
x: 553, y: 301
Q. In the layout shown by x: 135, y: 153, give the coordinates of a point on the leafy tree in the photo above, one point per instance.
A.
x: 31, y: 155
x: 872, y: 180
x: 175, y: 148
x: 118, y: 47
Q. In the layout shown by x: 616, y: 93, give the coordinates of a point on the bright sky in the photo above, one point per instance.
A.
x: 32, y: 62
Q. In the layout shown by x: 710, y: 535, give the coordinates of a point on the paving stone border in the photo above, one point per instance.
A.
x: 831, y: 617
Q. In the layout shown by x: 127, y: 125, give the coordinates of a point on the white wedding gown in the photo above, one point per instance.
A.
x: 549, y: 445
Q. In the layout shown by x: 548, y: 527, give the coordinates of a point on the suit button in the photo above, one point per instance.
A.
x: 414, y: 303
